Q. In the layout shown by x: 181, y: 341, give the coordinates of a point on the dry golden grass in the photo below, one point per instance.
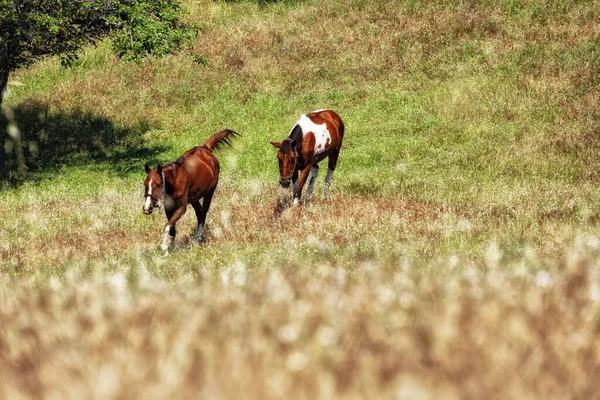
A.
x: 243, y: 222
x: 53, y: 233
x: 380, y: 331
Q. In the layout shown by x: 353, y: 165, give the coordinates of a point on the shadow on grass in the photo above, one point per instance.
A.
x: 37, y: 141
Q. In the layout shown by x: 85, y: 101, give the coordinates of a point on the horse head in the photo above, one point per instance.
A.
x: 154, y: 184
x: 288, y: 159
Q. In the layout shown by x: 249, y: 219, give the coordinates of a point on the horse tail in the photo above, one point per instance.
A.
x: 218, y: 139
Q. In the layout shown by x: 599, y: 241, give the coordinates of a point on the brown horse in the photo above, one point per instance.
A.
x: 192, y: 177
x: 315, y: 136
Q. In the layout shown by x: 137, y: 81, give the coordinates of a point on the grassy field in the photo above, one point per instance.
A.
x: 458, y: 255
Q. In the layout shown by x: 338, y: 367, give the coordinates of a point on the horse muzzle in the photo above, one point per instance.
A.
x: 285, y: 183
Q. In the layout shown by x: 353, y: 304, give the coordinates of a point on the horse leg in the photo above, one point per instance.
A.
x: 299, y: 184
x: 311, y: 183
x: 170, y: 230
x: 333, y: 158
x: 295, y: 184
x: 198, y: 209
x: 201, y: 211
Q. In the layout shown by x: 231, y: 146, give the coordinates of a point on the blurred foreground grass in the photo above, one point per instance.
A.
x: 380, y: 330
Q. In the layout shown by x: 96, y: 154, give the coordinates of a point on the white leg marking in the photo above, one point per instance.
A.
x: 328, y: 179
x: 165, y: 242
x: 199, y: 233
x: 294, y: 191
x: 311, y: 183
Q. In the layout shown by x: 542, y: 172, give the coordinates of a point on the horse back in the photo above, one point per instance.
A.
x: 334, y: 124
x: 323, y: 132
x: 198, y: 172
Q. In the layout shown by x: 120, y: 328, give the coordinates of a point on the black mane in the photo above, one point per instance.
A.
x: 296, y: 136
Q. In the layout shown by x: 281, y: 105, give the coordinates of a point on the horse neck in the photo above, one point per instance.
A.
x: 168, y: 175
x: 297, y: 135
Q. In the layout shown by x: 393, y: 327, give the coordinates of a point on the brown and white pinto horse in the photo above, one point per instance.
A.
x: 314, y: 137
x: 192, y: 177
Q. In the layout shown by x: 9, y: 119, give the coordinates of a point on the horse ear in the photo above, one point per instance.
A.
x: 158, y: 168
x: 146, y: 168
x: 276, y: 144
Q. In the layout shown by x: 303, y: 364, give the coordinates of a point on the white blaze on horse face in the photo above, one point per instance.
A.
x: 322, y: 136
x: 148, y: 203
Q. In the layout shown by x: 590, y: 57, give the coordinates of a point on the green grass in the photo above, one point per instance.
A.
x: 477, y: 137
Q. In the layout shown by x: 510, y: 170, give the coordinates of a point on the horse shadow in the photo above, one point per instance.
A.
x: 37, y: 141
x: 188, y: 239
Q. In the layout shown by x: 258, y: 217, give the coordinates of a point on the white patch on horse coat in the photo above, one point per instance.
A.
x: 148, y: 198
x: 321, y: 132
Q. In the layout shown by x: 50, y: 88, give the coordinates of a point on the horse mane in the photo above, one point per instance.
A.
x: 295, y: 135
x: 286, y: 146
x: 218, y: 139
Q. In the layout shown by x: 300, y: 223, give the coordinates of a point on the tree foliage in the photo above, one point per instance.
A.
x: 31, y: 29
x: 152, y: 27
